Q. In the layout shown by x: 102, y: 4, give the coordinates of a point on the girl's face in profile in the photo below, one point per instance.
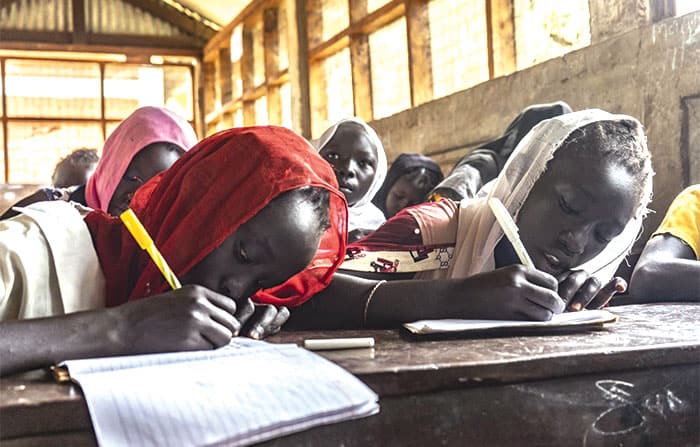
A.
x: 274, y: 245
x: 404, y: 193
x: 575, y: 209
x: 351, y: 154
x: 150, y: 161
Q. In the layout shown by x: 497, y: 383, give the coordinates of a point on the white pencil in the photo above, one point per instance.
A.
x: 511, y: 230
x: 338, y: 343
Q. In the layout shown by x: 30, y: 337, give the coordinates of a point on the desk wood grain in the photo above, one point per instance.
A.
x: 456, y: 386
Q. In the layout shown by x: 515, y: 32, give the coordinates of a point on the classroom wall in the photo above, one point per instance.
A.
x: 652, y: 73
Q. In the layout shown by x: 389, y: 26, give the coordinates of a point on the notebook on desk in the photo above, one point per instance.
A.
x: 565, y: 322
x: 246, y: 392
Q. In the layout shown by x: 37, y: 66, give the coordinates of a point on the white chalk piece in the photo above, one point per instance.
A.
x: 338, y: 343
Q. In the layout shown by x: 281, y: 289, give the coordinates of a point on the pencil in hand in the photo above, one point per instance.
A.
x: 137, y: 230
x: 510, y: 229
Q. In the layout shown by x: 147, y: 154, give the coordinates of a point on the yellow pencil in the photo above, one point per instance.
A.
x: 137, y: 230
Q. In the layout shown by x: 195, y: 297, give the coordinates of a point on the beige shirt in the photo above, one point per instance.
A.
x: 48, y: 264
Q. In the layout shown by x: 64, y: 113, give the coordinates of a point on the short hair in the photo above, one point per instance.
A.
x: 621, y: 142
x: 82, y: 157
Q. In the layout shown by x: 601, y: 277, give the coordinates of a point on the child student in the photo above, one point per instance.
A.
x: 149, y: 141
x: 669, y: 267
x: 354, y: 150
x: 75, y: 169
x: 408, y: 182
x: 578, y: 186
x: 227, y: 221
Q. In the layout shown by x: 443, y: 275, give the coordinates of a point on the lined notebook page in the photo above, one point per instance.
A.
x: 244, y: 393
x: 567, y: 319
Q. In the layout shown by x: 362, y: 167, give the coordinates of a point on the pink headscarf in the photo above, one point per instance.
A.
x: 145, y: 126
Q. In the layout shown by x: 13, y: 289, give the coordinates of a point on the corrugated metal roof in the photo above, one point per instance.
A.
x: 107, y: 17
x: 117, y: 17
x: 37, y: 15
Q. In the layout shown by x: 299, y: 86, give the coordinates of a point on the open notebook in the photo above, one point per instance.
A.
x: 565, y: 322
x: 246, y: 392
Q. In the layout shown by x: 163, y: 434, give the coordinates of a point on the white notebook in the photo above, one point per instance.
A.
x: 246, y: 392
x: 565, y: 321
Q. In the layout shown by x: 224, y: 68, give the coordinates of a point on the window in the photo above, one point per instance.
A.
x: 258, y: 54
x: 36, y: 146
x: 373, y: 5
x: 52, y: 89
x: 684, y: 7
x: 55, y: 106
x: 286, y: 95
x: 362, y: 62
x: 458, y: 44
x: 261, y: 116
x: 331, y: 92
x: 128, y: 87
x: 258, y: 70
x: 391, y: 90
x: 336, y: 17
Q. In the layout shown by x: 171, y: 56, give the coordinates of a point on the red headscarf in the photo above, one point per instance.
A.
x: 190, y: 209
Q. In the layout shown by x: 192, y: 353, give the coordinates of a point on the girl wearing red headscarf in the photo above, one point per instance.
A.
x: 248, y: 212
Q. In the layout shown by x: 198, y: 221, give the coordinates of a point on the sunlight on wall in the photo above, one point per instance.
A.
x: 545, y: 30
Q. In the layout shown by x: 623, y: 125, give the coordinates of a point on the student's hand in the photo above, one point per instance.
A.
x: 264, y: 320
x: 581, y: 291
x: 187, y: 319
x: 511, y: 293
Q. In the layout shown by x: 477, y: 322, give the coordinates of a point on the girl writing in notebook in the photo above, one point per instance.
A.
x: 149, y: 141
x: 357, y: 156
x: 578, y: 186
x: 249, y: 212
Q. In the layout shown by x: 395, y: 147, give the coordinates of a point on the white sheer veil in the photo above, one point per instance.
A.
x: 363, y: 214
x: 478, y: 232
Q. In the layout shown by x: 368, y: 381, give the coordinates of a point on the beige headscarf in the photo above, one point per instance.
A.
x: 478, y: 232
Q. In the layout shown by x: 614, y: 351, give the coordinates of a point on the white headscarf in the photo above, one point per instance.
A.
x: 363, y: 214
x: 477, y: 230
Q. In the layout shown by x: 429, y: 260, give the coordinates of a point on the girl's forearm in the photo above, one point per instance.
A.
x: 40, y: 342
x: 666, y: 280
x: 343, y: 303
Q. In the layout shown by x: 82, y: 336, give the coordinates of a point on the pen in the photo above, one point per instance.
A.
x: 511, y: 230
x: 137, y: 230
x: 338, y: 343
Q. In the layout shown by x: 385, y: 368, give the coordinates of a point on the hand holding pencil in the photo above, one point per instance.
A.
x: 137, y: 230
x: 260, y: 321
x: 576, y: 287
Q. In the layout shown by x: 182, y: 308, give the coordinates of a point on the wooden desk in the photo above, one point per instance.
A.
x: 636, y: 383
